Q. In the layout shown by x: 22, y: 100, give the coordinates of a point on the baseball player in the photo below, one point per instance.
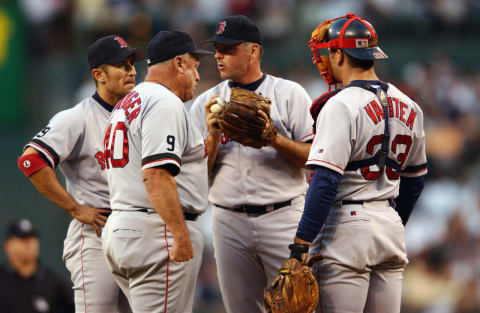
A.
x: 73, y: 141
x: 257, y: 194
x: 157, y: 175
x: 369, y: 164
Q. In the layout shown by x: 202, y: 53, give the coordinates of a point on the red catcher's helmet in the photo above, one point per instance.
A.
x: 353, y: 35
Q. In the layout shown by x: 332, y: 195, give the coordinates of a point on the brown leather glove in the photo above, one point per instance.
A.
x: 295, y: 289
x: 241, y: 122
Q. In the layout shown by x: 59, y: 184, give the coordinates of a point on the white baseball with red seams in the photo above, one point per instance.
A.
x: 218, y: 106
x: 215, y: 108
x: 220, y: 101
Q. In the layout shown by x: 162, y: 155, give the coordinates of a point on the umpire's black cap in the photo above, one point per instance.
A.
x: 236, y: 29
x: 167, y: 44
x: 21, y: 229
x: 110, y: 50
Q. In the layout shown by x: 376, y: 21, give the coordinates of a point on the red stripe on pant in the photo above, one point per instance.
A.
x: 83, y: 276
x: 168, y: 261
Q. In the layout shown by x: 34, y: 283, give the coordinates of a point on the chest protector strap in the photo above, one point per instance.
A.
x: 380, y: 158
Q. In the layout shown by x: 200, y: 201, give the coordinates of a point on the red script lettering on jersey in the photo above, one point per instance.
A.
x: 131, y: 105
x: 375, y: 112
x: 102, y: 160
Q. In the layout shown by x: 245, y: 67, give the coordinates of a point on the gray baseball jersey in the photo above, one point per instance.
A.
x: 248, y: 245
x: 362, y: 242
x: 150, y: 128
x: 73, y: 141
x: 244, y: 175
x: 355, y: 114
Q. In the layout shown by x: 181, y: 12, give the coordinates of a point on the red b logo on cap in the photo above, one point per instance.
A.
x: 221, y: 27
x: 121, y: 41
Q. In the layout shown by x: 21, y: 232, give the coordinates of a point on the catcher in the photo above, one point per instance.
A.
x: 257, y: 148
x: 368, y: 172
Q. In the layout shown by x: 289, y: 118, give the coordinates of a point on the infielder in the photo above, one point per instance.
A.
x: 369, y: 164
x: 157, y: 176
x: 73, y: 141
x: 258, y: 194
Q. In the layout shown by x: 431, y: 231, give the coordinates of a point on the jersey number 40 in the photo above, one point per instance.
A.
x: 107, y: 157
x: 115, y: 145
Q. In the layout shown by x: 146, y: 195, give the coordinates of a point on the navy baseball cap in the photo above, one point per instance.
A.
x: 22, y: 229
x: 110, y: 50
x: 236, y: 29
x: 167, y: 44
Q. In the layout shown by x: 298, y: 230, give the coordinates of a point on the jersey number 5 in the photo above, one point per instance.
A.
x: 116, y: 142
x: 401, y: 157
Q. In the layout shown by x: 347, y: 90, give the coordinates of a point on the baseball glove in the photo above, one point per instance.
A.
x: 295, y: 289
x: 241, y: 122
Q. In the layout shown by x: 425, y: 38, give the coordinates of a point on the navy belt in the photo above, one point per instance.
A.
x: 188, y: 216
x: 257, y: 209
x: 391, y: 202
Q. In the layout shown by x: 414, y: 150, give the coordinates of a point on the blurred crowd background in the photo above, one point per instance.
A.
x: 433, y: 48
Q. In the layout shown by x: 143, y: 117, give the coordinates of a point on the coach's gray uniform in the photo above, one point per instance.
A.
x: 250, y: 249
x: 150, y: 128
x: 363, y: 245
x: 73, y: 141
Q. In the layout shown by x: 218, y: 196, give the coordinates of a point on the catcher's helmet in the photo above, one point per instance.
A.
x: 356, y: 37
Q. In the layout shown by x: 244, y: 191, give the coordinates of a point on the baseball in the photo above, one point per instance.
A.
x: 220, y: 102
x: 216, y: 108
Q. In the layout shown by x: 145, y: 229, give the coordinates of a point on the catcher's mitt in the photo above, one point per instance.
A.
x: 295, y: 289
x: 241, y: 122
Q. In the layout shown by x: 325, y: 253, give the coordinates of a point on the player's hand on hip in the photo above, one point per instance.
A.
x: 212, y: 119
x: 182, y: 250
x: 90, y: 216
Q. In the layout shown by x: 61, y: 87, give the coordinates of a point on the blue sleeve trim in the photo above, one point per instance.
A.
x: 410, y: 190
x: 319, y: 200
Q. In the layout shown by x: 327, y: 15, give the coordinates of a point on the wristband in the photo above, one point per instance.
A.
x: 31, y: 163
x: 296, y: 250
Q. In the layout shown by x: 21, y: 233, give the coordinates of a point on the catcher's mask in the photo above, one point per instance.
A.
x: 353, y: 35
